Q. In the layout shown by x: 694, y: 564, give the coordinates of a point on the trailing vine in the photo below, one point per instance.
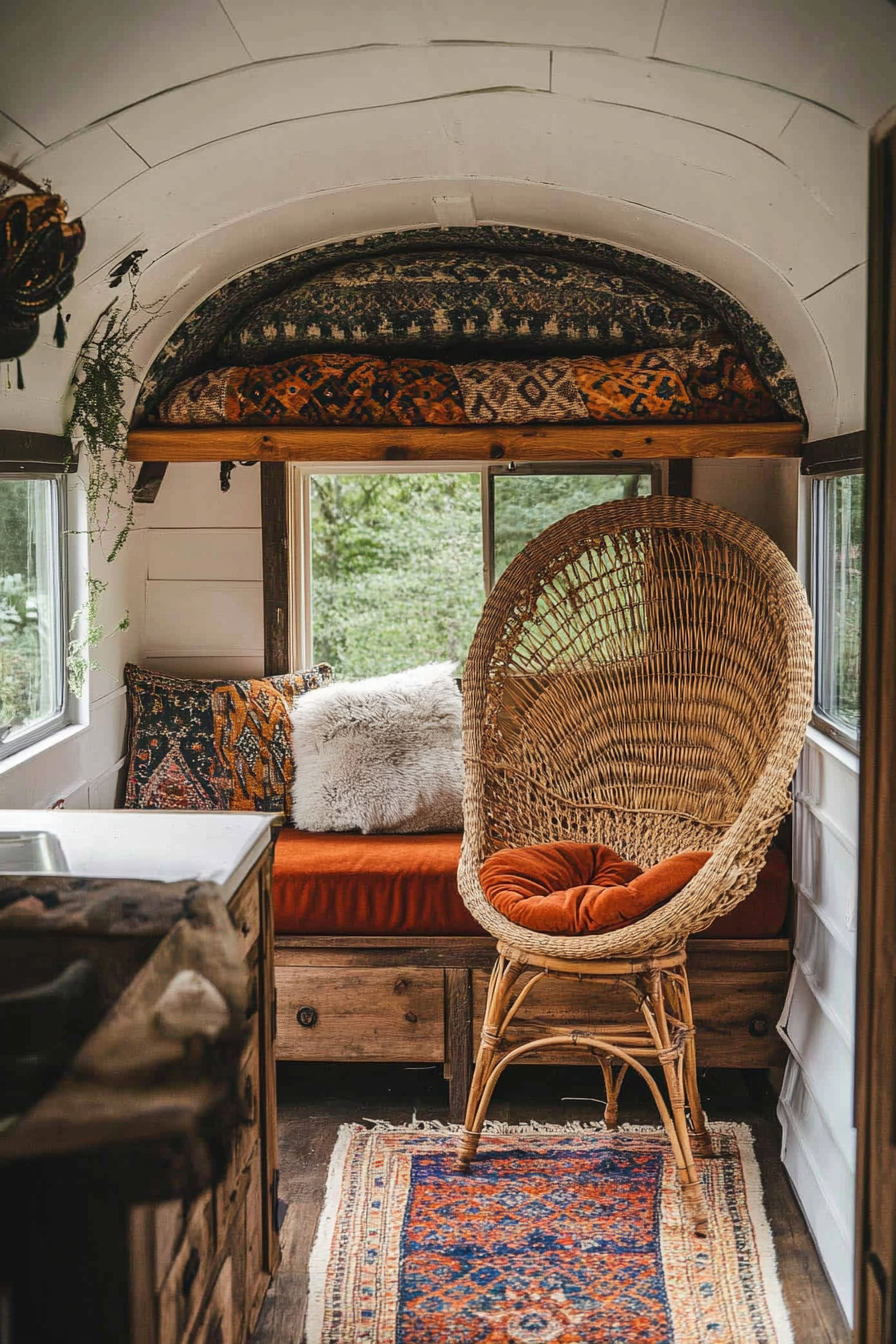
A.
x: 104, y: 368
x: 78, y: 661
x: 99, y: 382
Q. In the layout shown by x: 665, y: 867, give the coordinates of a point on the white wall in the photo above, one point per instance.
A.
x: 203, y: 593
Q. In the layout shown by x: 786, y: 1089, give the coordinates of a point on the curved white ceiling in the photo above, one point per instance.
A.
x: 727, y: 138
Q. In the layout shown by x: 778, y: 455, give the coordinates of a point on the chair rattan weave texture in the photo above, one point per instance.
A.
x: 641, y: 677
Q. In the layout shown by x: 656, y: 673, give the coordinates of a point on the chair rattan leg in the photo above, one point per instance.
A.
x: 671, y: 1053
x: 701, y: 1143
x: 612, y: 1084
x: 504, y: 976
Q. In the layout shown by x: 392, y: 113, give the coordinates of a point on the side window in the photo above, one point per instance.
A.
x: 837, y: 513
x: 33, y: 615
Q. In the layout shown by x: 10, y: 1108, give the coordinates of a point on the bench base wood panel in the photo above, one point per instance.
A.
x: 377, y: 999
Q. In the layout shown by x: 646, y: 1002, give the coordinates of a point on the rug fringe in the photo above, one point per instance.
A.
x: 415, y: 1126
x: 323, y: 1240
x: 765, y: 1246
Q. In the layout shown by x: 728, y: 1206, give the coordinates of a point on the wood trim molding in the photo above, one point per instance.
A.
x: 21, y: 450
x: 875, y: 1099
x: 275, y: 567
x: 463, y: 443
x: 845, y: 453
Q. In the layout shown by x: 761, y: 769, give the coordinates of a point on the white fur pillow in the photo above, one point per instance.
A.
x: 382, y: 754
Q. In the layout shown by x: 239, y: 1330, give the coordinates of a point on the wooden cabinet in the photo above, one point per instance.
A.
x: 199, y: 1272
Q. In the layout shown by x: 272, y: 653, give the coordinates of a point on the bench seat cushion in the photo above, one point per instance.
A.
x: 369, y: 884
x: 406, y: 885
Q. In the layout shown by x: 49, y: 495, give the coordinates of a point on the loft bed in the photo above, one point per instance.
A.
x: 466, y: 344
x: 391, y: 349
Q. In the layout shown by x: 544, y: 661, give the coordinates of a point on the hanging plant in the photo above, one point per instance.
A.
x: 100, y: 379
x: 99, y: 382
x: 85, y: 632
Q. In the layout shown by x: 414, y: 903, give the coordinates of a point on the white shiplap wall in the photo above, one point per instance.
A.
x: 816, y: 1103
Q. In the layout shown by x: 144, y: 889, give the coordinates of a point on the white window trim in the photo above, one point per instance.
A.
x: 299, y: 518
x: 825, y: 726
x: 20, y: 746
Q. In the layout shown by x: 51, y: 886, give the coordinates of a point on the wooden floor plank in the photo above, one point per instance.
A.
x: 315, y: 1099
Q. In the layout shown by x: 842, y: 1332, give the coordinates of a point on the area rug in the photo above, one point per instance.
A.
x: 559, y: 1235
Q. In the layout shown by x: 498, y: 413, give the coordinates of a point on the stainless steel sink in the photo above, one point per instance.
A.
x: 31, y: 852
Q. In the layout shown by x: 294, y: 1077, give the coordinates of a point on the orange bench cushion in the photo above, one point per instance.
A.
x: 407, y: 885
x: 378, y: 884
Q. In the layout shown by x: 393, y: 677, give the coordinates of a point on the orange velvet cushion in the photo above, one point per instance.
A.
x: 369, y: 884
x: 569, y: 887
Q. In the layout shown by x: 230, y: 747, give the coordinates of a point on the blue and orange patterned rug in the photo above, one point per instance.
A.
x: 557, y: 1236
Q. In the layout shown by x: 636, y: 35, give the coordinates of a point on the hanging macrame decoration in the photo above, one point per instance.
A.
x: 39, y: 249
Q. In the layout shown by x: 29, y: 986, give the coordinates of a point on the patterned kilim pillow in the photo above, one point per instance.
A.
x: 426, y: 301
x: 213, y: 745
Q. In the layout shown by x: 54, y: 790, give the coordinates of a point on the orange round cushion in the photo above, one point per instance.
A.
x: 574, y: 888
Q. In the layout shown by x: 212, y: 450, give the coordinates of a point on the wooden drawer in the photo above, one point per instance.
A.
x: 360, y: 1013
x: 185, y: 1285
x: 245, y: 1138
x: 245, y: 914
x: 216, y: 1325
x: 257, y: 1278
x: 735, y: 1012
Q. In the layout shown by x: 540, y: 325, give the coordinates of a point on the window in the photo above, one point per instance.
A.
x: 838, y: 503
x: 33, y: 617
x: 397, y: 563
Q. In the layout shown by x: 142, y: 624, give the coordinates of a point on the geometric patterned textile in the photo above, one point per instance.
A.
x: 212, y: 745
x: 511, y: 393
x: 436, y: 300
x: 561, y: 1236
x: 707, y: 381
x: 644, y: 386
x: 721, y: 385
x: 320, y: 390
x: 193, y: 346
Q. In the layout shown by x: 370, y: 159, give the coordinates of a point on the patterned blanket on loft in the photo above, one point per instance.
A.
x: 709, y: 382
x: 467, y: 326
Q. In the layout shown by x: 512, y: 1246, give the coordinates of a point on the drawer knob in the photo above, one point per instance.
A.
x: 400, y: 987
x: 307, y: 1017
x: 411, y: 1017
x: 758, y: 1025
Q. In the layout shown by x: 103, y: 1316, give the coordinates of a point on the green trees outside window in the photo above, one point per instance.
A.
x: 400, y: 562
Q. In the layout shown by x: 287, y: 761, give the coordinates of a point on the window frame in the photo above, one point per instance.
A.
x: 17, y: 742
x: 301, y: 614
x: 819, y: 573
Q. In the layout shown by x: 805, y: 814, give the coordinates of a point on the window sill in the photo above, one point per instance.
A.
x: 845, y: 755
x: 57, y: 739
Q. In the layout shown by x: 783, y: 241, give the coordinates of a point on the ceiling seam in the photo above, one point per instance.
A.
x: 238, y: 35
x: 400, y: 47
x: 842, y: 276
x: 659, y: 27
x: 124, y: 141
x: 441, y: 98
x: 19, y: 127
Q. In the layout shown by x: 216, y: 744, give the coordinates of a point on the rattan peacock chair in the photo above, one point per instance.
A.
x: 641, y: 678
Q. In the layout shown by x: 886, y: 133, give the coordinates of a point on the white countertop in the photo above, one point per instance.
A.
x: 217, y: 847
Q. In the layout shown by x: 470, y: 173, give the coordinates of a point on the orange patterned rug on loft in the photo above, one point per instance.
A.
x: 559, y: 1235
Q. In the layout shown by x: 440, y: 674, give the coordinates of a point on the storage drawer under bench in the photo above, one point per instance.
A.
x: 401, y: 999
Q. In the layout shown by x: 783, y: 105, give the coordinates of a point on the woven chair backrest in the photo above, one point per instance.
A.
x: 633, y: 671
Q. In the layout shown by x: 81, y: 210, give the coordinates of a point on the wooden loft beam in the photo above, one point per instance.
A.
x: 462, y: 443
